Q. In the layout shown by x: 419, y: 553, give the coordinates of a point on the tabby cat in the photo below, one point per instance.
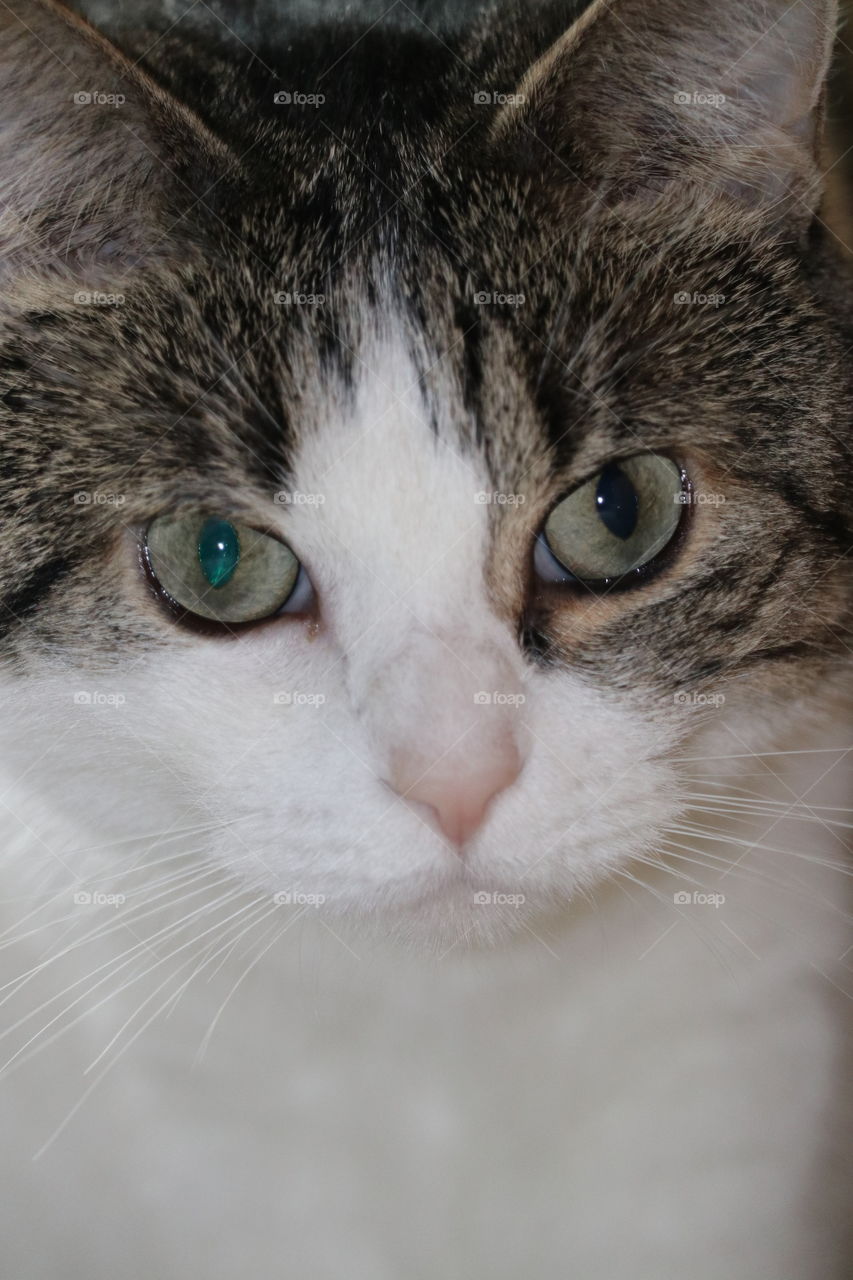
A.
x: 424, y: 610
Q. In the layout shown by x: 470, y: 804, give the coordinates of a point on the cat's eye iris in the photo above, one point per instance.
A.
x: 614, y: 525
x: 222, y: 570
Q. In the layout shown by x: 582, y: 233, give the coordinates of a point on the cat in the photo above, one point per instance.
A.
x: 423, y: 604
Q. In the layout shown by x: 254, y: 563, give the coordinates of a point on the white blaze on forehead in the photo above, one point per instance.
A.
x: 397, y: 526
x: 396, y: 542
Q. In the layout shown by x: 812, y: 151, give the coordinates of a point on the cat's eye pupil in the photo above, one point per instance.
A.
x: 617, y: 501
x: 218, y: 551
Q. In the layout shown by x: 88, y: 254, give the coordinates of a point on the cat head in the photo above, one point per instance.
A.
x: 412, y: 450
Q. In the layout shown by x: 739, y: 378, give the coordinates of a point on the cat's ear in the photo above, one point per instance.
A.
x: 641, y: 94
x: 90, y: 149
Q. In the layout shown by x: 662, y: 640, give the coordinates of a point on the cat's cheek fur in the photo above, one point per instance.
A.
x: 589, y: 797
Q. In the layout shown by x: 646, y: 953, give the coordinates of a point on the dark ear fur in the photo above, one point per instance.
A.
x: 91, y: 151
x: 726, y: 96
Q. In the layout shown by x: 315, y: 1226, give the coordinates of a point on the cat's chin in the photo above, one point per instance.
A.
x: 455, y: 915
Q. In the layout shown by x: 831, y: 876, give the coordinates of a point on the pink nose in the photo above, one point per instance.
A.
x: 460, y: 797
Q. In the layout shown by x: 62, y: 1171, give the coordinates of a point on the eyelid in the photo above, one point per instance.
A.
x: 617, y: 458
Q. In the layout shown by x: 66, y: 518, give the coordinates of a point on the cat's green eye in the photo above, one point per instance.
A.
x: 614, y: 525
x: 223, y: 571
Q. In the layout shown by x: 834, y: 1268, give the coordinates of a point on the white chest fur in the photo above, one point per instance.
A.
x: 638, y: 1089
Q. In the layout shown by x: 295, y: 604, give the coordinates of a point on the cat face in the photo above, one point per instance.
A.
x: 507, y: 487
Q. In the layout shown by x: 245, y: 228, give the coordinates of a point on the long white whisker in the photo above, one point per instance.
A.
x: 17, y: 1060
x: 218, y: 925
x: 700, y: 934
x: 114, y: 965
x: 121, y: 921
x: 202, y: 1049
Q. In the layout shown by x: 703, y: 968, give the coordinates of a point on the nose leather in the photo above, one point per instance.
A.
x: 458, y: 791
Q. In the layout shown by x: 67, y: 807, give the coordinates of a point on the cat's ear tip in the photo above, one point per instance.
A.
x: 736, y: 103
x: 99, y: 150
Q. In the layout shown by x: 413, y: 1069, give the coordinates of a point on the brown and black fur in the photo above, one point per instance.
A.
x: 399, y: 181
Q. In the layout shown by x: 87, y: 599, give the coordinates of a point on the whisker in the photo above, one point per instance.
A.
x: 702, y: 833
x: 101, y: 932
x: 220, y: 924
x: 212, y: 950
x: 751, y: 874
x: 757, y: 755
x: 114, y: 965
x: 699, y: 932
x: 18, y: 1060
x: 278, y: 930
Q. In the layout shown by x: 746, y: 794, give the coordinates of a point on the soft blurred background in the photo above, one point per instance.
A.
x: 843, y: 80
x: 840, y: 121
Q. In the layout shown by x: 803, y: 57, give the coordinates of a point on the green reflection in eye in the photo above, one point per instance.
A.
x: 218, y: 550
x: 220, y: 569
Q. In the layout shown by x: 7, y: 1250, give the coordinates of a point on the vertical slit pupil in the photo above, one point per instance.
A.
x: 617, y: 502
x: 218, y: 551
